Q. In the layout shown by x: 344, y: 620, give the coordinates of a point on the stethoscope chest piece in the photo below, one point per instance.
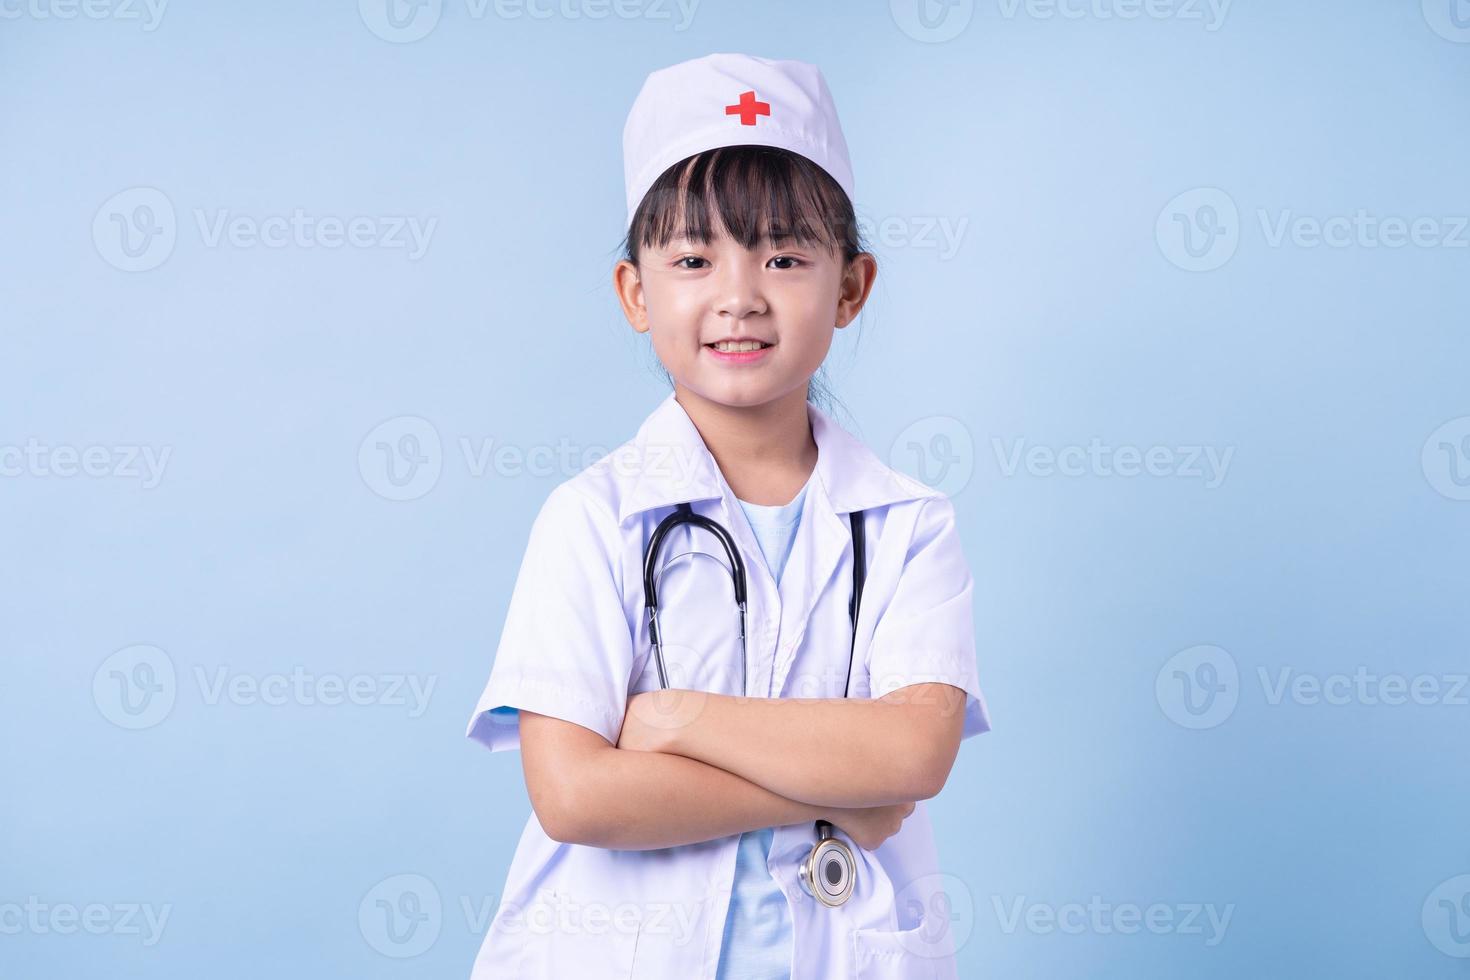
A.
x: 829, y: 871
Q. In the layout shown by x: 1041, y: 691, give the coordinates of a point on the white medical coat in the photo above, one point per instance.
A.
x: 575, y: 646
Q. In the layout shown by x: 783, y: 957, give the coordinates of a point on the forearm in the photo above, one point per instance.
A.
x: 824, y: 751
x: 635, y: 800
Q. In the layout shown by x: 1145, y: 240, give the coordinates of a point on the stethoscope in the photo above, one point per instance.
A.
x: 829, y: 869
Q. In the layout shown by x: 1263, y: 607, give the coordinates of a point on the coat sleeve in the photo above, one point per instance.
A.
x: 565, y: 649
x: 927, y: 632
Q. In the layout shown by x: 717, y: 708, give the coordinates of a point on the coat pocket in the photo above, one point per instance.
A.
x: 908, y: 954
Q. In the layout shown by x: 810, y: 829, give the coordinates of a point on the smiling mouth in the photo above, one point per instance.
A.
x: 740, y: 347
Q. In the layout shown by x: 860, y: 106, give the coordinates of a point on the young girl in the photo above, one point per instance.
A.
x: 724, y: 790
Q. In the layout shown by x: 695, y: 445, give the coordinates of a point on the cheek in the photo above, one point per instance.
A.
x: 814, y: 300
x: 673, y: 317
x: 811, y: 317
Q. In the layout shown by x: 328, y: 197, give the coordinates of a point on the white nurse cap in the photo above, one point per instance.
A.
x: 727, y: 100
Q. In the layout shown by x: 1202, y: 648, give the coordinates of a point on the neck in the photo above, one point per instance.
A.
x: 765, y: 452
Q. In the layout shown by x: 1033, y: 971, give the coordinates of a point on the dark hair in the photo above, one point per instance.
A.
x: 758, y: 193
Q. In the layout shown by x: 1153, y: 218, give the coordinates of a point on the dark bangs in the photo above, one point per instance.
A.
x: 757, y: 193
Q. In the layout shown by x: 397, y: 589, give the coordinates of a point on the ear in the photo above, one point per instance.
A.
x: 629, y: 287
x: 855, y: 286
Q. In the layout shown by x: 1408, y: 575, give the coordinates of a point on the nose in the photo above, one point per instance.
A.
x: 738, y: 292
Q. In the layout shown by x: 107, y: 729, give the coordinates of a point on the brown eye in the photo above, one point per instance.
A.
x: 787, y: 258
x: 688, y: 258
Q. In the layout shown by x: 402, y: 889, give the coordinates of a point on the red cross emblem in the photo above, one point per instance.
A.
x: 748, y: 108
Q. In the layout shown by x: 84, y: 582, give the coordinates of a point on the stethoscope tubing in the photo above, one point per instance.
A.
x: 684, y: 514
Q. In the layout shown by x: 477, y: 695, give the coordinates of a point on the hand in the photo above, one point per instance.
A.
x: 870, y: 826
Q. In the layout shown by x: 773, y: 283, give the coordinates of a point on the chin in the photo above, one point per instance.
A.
x: 750, y: 394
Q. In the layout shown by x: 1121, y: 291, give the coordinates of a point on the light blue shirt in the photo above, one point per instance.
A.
x: 758, y: 943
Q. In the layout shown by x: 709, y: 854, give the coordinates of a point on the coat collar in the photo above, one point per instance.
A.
x: 672, y: 465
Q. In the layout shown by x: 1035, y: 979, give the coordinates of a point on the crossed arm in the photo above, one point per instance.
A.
x: 826, y: 751
x: 691, y: 766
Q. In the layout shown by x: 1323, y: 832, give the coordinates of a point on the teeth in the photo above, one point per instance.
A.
x: 737, y: 346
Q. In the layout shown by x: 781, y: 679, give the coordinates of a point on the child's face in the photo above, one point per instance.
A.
x: 688, y: 296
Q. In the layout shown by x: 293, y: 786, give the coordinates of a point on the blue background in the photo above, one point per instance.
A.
x: 270, y: 545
